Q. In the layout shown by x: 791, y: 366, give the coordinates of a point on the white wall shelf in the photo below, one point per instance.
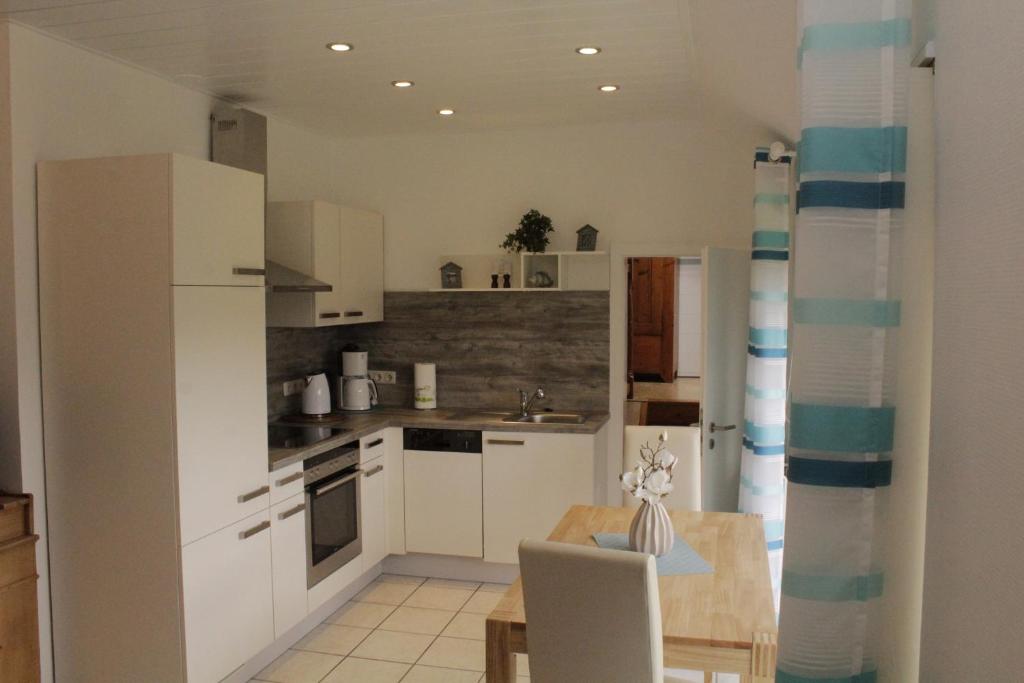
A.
x: 569, y: 270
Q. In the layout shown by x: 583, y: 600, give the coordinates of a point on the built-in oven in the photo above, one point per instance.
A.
x: 333, y: 526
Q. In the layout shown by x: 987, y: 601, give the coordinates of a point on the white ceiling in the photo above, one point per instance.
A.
x: 498, y: 63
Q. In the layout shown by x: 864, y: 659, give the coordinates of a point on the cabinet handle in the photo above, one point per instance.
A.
x: 324, y: 316
x: 505, y: 442
x: 353, y: 314
x: 375, y: 443
x: 249, y: 271
x: 248, y: 533
x: 289, y: 479
x: 261, y: 491
x: 294, y: 511
x: 375, y: 470
x: 335, y: 484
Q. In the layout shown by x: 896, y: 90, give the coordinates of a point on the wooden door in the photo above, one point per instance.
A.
x: 652, y: 319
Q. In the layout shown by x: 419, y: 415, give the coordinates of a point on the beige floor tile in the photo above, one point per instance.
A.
x: 355, y: 670
x: 332, y: 639
x: 436, y: 597
x: 401, y: 578
x: 455, y: 653
x: 467, y: 625
x: 361, y: 614
x: 433, y: 674
x: 386, y: 592
x: 452, y: 583
x: 417, y: 620
x: 295, y: 666
x: 495, y: 587
x: 393, y: 646
x: 482, y: 602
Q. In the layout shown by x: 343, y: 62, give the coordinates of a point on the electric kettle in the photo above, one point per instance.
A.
x: 316, y: 397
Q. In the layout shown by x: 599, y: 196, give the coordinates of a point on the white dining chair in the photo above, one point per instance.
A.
x: 684, y: 443
x: 591, y: 614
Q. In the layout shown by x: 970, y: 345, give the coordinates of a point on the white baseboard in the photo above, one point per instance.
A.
x: 448, y: 567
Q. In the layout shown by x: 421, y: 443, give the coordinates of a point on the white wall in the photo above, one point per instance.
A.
x: 460, y: 193
x: 688, y: 319
x: 67, y: 102
x: 973, y: 600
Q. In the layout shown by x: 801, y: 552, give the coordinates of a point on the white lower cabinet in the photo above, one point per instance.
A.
x: 373, y: 512
x: 228, y: 596
x: 394, y: 497
x: 288, y: 543
x: 443, y: 503
x: 529, y: 482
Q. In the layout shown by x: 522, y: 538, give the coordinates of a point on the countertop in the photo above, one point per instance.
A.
x: 359, y: 425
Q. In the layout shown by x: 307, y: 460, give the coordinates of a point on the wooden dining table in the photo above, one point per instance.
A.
x: 718, y: 622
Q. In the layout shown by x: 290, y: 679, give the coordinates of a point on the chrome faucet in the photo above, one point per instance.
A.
x: 526, y: 401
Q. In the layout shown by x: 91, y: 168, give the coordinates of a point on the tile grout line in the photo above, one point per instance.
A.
x: 431, y: 644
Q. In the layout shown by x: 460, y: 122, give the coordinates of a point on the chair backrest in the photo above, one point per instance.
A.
x: 684, y: 443
x: 591, y: 614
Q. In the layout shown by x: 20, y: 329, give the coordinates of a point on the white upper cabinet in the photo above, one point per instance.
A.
x: 217, y: 224
x: 339, y: 246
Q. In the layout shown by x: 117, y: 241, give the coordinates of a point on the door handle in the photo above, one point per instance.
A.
x: 505, y: 442
x: 249, y: 533
x: 289, y: 479
x: 335, y: 484
x: 375, y: 470
x: 375, y: 443
x: 261, y: 491
x: 721, y: 428
x: 353, y: 314
x: 294, y: 511
x: 324, y: 316
x: 248, y: 271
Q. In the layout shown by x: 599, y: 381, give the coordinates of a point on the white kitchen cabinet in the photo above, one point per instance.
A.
x: 529, y: 481
x: 443, y: 503
x: 395, y: 494
x: 221, y: 405
x: 286, y: 482
x: 217, y: 223
x: 288, y: 544
x: 337, y: 245
x: 333, y: 584
x: 374, y: 512
x: 228, y: 598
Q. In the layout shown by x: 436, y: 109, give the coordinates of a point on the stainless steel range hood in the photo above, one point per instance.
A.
x: 238, y: 137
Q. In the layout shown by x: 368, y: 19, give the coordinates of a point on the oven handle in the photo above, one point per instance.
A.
x: 335, y: 484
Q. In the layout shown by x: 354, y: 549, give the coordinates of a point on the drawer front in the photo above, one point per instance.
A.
x: 285, y: 483
x: 372, y: 447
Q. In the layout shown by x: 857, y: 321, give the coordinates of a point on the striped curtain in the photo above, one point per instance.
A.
x: 762, y: 475
x: 854, y: 61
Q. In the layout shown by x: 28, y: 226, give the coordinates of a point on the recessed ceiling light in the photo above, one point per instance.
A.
x: 608, y: 88
x: 340, y: 47
x: 445, y: 112
x: 402, y: 84
x: 588, y: 50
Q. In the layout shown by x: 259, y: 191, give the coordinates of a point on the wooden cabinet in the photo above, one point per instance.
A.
x: 443, y: 503
x: 154, y: 404
x: 529, y: 481
x: 288, y: 544
x: 19, y: 616
x: 374, y: 512
x: 340, y: 246
x: 229, y: 609
x: 221, y: 406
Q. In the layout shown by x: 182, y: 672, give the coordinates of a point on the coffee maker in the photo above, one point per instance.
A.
x: 356, y: 391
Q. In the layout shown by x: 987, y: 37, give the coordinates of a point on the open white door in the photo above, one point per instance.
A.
x: 726, y: 321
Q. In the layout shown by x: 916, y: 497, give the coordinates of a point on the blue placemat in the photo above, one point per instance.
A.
x: 682, y: 559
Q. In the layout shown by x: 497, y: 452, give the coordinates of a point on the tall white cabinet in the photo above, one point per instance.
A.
x: 154, y: 375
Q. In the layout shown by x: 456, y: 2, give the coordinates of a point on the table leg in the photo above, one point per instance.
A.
x: 501, y: 662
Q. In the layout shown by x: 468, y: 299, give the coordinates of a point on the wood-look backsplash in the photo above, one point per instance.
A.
x: 485, y: 345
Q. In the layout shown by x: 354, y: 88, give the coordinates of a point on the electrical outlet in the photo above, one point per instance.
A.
x: 383, y: 376
x: 294, y: 387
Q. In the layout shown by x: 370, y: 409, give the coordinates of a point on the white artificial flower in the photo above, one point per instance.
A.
x: 667, y: 460
x: 659, y: 483
x: 628, y: 481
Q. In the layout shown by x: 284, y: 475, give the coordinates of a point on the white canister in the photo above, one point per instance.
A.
x: 425, y: 386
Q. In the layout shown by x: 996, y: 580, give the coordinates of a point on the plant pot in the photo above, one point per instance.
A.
x: 651, y: 530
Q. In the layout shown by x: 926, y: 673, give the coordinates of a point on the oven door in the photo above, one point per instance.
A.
x: 333, y: 526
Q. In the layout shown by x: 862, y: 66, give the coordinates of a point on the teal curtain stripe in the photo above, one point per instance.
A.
x: 774, y: 528
x: 859, y: 312
x: 840, y: 473
x: 766, y: 295
x: 762, y: 434
x: 771, y: 198
x: 767, y: 336
x: 855, y: 150
x: 832, y: 588
x: 777, y: 394
x: 768, y: 239
x: 756, y: 490
x: 863, y: 677
x: 842, y: 429
x: 856, y: 36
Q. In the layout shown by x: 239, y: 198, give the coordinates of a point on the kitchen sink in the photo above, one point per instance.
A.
x: 548, y: 419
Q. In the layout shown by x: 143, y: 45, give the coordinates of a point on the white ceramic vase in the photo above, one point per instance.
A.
x: 651, y: 530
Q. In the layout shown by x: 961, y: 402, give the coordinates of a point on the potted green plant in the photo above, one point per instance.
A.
x: 531, y: 235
